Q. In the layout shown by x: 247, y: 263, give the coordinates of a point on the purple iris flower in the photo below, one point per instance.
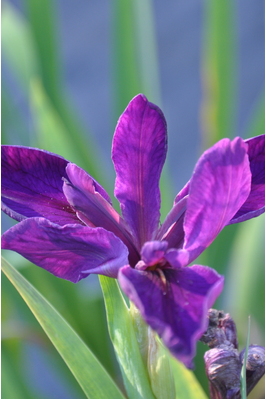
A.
x: 67, y: 224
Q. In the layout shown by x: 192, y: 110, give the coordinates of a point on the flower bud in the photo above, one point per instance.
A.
x: 255, y: 365
x: 221, y: 330
x: 223, y: 368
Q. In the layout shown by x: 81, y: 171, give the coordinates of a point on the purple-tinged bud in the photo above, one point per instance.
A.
x: 255, y: 365
x: 223, y: 368
x: 229, y: 328
x: 221, y: 330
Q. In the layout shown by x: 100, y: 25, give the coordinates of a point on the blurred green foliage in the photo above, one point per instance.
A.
x: 30, y: 49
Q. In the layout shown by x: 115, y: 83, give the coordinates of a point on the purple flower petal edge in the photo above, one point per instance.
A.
x: 255, y: 203
x: 32, y: 185
x: 70, y: 252
x: 93, y: 209
x: 218, y: 188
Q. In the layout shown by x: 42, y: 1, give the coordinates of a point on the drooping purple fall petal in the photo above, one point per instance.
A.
x: 219, y: 186
x: 93, y: 209
x: 70, y: 252
x: 138, y: 153
x: 176, y: 308
x: 255, y: 203
x: 32, y: 185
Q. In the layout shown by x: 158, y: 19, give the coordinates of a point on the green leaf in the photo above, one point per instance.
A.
x: 160, y: 369
x: 170, y: 379
x: 51, y: 131
x: 18, y: 47
x: 135, y: 60
x: 256, y: 125
x: 122, y: 333
x: 42, y: 22
x: 146, y: 49
x: 219, y: 71
x: 32, y: 57
x: 244, y: 285
x: 186, y: 384
x: 125, y: 66
x: 244, y: 366
x: 90, y: 374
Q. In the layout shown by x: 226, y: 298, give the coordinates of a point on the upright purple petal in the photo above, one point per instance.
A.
x: 255, y: 203
x: 138, y: 153
x: 174, y: 304
x: 218, y: 188
x: 183, y: 192
x: 172, y: 229
x: 32, y: 185
x: 70, y: 252
x: 93, y: 209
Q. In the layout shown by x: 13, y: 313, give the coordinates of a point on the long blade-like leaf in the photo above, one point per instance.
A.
x: 124, y: 339
x: 219, y: 66
x: 244, y: 366
x: 92, y: 377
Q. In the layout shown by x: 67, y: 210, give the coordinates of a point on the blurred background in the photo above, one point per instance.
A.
x: 69, y: 69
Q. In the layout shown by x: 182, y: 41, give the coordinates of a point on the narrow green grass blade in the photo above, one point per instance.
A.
x: 244, y: 288
x: 90, y: 374
x: 146, y: 49
x: 123, y: 336
x: 50, y: 130
x: 243, y: 370
x: 219, y: 66
x: 18, y: 126
x: 18, y: 47
x: 42, y: 22
x: 256, y: 125
x: 31, y: 57
x: 135, y: 60
x: 127, y: 82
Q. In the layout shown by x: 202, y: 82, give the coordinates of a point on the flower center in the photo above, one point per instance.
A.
x: 158, y: 269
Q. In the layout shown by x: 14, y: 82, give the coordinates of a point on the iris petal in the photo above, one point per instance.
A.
x: 176, y: 307
x: 32, y: 185
x: 255, y: 203
x: 93, y: 209
x: 70, y: 252
x: 153, y: 252
x: 172, y: 229
x: 138, y: 153
x: 218, y: 188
